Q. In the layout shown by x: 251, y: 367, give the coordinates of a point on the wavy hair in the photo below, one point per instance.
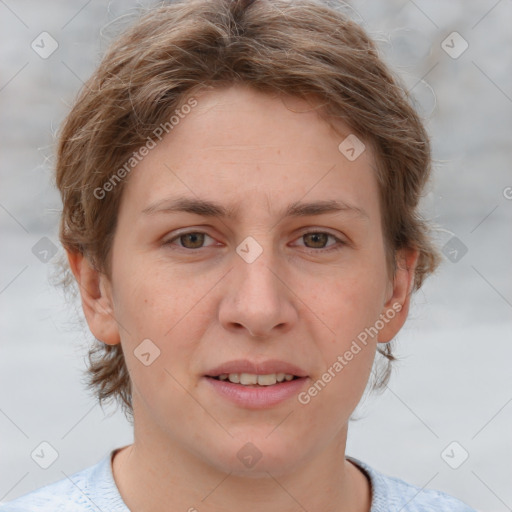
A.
x: 306, y: 48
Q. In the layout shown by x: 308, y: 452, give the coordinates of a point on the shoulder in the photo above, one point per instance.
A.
x: 66, y: 494
x: 84, y: 491
x: 391, y: 494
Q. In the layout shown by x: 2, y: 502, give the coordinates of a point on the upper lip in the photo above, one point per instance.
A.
x: 258, y: 368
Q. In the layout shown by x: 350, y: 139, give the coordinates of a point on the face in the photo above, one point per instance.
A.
x: 275, y: 286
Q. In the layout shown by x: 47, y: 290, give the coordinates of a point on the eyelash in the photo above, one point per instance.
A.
x: 335, y: 247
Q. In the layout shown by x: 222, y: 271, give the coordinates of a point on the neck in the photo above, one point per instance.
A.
x: 154, y: 475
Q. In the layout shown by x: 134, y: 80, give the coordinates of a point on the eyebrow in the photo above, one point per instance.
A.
x: 208, y: 208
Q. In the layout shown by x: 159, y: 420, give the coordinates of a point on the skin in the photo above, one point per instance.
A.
x: 201, y: 304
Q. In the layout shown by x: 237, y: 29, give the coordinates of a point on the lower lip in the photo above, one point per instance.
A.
x: 259, y: 397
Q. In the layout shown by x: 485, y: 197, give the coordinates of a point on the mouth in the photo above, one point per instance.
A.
x: 251, y: 373
x: 253, y: 385
x: 255, y: 380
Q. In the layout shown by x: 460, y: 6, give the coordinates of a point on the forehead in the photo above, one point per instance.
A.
x: 237, y: 145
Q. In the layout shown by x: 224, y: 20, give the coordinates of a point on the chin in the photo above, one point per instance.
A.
x: 256, y: 457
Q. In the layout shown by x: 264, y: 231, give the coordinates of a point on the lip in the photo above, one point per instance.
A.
x: 256, y: 397
x: 258, y: 368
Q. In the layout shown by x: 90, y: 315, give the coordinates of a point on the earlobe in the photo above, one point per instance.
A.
x: 396, y: 307
x: 96, y: 296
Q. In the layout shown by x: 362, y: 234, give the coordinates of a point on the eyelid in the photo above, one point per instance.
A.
x: 338, y: 245
x: 179, y: 234
x: 339, y: 241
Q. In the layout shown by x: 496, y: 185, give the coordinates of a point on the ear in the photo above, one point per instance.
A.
x: 396, y: 308
x: 96, y: 295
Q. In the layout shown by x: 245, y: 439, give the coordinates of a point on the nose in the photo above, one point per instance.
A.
x: 258, y: 300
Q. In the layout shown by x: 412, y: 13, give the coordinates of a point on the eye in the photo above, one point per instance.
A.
x: 318, y: 239
x: 189, y: 240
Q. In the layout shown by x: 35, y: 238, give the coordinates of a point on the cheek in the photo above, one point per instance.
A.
x: 350, y: 305
x: 149, y: 299
x: 152, y: 302
x: 157, y: 342
x: 350, y: 301
x: 347, y: 353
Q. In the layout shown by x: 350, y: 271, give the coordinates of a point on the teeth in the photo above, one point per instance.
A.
x: 234, y: 377
x: 267, y: 380
x: 248, y: 378
x: 251, y: 379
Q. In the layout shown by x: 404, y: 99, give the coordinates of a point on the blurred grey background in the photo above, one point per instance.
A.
x: 445, y: 420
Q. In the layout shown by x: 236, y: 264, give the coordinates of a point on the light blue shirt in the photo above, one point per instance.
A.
x: 94, y: 490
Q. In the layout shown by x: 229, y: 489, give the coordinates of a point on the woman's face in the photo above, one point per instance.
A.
x: 282, y: 284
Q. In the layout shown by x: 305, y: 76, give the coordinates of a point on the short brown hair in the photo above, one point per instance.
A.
x: 305, y: 48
